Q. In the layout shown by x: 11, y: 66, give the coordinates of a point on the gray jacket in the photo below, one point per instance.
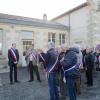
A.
x: 35, y: 59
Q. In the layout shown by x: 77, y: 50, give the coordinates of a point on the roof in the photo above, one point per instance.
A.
x: 70, y: 11
x: 20, y: 20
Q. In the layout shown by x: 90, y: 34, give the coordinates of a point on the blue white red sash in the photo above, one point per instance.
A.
x: 42, y: 57
x: 34, y: 56
x: 72, y: 68
x: 53, y: 65
x: 13, y: 53
x: 69, y: 69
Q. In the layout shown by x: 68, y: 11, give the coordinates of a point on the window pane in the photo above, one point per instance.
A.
x: 53, y: 35
x: 63, y: 38
x: 53, y: 40
x: 60, y: 39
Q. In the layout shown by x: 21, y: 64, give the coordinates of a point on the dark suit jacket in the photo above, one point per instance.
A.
x: 11, y: 57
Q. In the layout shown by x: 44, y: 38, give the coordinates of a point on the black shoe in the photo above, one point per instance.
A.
x: 30, y: 80
x: 62, y: 97
x: 11, y: 83
x: 39, y: 81
x: 17, y: 81
x: 89, y: 85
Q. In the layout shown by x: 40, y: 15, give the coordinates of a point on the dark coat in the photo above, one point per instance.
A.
x: 41, y: 60
x: 51, y: 57
x: 89, y: 60
x: 44, y: 56
x: 70, y: 59
x: 11, y: 57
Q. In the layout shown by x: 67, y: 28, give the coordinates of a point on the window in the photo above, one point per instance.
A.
x: 27, y: 40
x: 1, y: 38
x: 26, y: 45
x: 52, y: 37
x: 62, y: 39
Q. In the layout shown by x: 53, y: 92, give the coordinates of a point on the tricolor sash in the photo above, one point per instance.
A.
x: 42, y: 57
x: 13, y: 53
x: 69, y: 69
x: 34, y: 56
x: 73, y: 71
x: 53, y: 65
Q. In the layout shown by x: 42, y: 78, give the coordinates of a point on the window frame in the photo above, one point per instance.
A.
x: 52, y: 37
x: 61, y: 39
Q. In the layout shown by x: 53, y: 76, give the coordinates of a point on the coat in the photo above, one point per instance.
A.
x: 11, y: 57
x: 70, y: 59
x: 89, y: 60
x: 35, y: 60
x: 51, y: 58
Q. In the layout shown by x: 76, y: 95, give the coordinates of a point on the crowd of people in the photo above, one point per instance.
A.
x: 63, y: 67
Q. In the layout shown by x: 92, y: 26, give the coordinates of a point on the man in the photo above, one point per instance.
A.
x: 89, y: 64
x: 61, y: 52
x: 69, y: 65
x: 51, y: 61
x: 79, y: 61
x: 13, y: 57
x: 42, y: 56
x: 32, y: 60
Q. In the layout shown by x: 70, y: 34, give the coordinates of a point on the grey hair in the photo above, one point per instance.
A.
x: 51, y: 45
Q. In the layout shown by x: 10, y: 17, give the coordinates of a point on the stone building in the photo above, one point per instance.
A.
x: 84, y: 23
x: 26, y: 31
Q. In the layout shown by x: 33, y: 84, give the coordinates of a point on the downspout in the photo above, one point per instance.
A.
x: 69, y: 31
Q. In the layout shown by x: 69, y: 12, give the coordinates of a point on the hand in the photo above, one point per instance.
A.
x: 15, y: 62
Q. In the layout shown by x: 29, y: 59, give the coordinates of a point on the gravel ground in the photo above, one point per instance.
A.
x: 39, y: 91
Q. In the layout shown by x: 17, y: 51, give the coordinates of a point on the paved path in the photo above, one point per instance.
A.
x: 39, y: 91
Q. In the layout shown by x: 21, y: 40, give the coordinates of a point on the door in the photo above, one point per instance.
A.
x: 26, y: 43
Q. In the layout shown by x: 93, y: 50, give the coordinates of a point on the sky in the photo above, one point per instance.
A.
x: 36, y: 8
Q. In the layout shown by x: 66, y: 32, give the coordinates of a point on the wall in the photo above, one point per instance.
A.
x: 78, y: 25
x: 12, y: 33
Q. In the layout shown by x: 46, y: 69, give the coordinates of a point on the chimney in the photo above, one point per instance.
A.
x: 45, y: 17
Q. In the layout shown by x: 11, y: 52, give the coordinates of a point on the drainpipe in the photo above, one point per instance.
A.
x: 69, y: 31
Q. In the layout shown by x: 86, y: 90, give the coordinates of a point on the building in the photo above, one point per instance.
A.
x: 84, y: 23
x: 26, y: 31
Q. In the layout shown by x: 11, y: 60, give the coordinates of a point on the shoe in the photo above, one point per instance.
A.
x: 63, y: 97
x: 89, y: 85
x: 39, y: 81
x: 30, y: 80
x: 11, y: 83
x: 17, y: 81
x: 85, y: 82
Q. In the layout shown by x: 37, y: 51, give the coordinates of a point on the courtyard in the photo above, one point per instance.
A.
x: 39, y: 91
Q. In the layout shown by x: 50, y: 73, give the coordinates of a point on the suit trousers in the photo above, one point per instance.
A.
x: 32, y: 69
x: 89, y: 76
x: 13, y: 67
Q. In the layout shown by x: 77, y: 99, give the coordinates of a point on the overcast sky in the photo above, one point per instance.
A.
x: 36, y: 8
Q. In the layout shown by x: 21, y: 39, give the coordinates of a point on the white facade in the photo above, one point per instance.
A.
x: 84, y: 22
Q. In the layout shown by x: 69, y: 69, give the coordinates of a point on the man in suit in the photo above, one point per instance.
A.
x: 33, y: 60
x: 13, y: 57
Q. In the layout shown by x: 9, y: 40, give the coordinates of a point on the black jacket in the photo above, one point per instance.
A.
x: 70, y: 59
x: 51, y: 58
x: 89, y: 60
x: 11, y: 57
